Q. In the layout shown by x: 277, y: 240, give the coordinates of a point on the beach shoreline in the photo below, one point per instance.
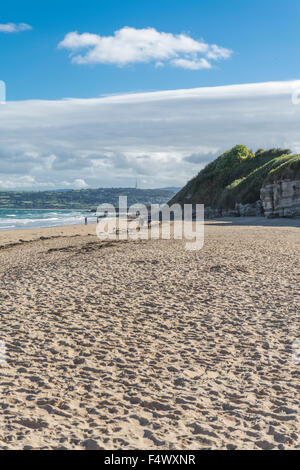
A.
x: 19, y: 219
x: 31, y: 234
x: 34, y: 234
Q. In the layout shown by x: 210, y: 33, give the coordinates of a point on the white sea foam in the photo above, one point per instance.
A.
x: 20, y: 219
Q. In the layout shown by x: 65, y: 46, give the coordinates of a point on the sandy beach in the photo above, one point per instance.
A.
x: 144, y: 345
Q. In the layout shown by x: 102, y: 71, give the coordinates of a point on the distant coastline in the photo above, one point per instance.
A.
x: 81, y: 199
x: 19, y: 219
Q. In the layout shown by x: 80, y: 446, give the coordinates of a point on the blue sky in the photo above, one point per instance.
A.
x: 170, y: 67
x: 263, y: 35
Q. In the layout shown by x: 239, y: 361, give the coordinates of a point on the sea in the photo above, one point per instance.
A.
x: 13, y: 219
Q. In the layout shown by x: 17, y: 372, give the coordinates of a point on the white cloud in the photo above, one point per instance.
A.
x: 79, y: 183
x: 164, y: 138
x: 192, y: 64
x: 14, y: 27
x: 217, y: 52
x: 23, y: 182
x: 131, y: 45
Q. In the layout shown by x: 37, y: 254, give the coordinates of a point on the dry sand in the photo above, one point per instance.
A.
x: 143, y: 345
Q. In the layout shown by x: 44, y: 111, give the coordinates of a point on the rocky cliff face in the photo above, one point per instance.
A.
x: 241, y: 210
x: 281, y: 199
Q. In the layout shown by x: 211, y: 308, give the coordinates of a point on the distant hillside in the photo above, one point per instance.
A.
x: 80, y: 199
x: 237, y: 177
x: 173, y: 189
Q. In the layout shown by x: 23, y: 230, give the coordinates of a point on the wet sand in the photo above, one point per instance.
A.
x: 144, y: 345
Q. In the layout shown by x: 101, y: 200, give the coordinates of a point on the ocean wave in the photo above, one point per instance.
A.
x: 11, y: 220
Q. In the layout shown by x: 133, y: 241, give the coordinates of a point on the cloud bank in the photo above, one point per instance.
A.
x: 14, y: 27
x: 131, y: 45
x: 163, y: 138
